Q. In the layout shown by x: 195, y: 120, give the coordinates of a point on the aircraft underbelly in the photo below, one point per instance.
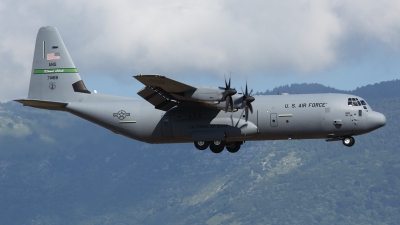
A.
x: 213, y: 129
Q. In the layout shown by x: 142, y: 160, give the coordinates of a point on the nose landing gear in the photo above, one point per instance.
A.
x: 348, y: 141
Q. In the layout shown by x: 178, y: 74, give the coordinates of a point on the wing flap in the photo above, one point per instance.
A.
x: 156, y: 98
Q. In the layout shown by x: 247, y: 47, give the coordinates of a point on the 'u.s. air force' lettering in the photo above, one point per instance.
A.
x: 306, y: 105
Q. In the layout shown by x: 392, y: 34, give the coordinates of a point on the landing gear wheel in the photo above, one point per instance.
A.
x: 348, y: 141
x: 233, y: 147
x: 201, y: 145
x: 217, y: 146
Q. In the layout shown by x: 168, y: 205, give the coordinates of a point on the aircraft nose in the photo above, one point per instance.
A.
x: 375, y: 120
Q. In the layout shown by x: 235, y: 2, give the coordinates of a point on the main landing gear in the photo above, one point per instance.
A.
x: 201, y: 145
x: 218, y: 146
x: 348, y: 141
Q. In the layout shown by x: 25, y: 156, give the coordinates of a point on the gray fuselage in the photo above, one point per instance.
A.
x: 275, y: 117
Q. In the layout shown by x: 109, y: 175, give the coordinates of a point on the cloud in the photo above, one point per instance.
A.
x: 122, y: 37
x: 181, y: 36
x: 371, y: 20
x: 18, y: 130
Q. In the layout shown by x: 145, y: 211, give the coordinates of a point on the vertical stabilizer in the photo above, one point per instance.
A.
x: 54, y: 77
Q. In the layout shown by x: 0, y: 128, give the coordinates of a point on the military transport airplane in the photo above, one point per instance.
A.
x: 174, y: 112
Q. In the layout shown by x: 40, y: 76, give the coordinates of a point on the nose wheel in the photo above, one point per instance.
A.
x: 348, y: 141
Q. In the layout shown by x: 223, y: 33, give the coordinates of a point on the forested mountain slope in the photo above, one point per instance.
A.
x: 386, y: 89
x: 59, y: 169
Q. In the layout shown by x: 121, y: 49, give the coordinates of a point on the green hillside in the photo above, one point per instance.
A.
x: 59, y: 169
x: 386, y: 89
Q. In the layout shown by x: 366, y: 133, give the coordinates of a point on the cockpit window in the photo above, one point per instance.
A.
x: 356, y: 102
x: 364, y: 104
x: 353, y: 102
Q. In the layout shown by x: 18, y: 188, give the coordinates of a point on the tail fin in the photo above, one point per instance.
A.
x: 54, y: 77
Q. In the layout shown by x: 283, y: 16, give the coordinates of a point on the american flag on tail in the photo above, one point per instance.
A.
x: 53, y: 56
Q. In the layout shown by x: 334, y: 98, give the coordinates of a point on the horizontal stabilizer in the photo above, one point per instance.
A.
x: 43, y: 104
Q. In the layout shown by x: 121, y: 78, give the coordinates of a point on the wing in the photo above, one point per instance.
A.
x: 162, y: 92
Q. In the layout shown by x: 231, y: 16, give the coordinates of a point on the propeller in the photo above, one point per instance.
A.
x: 227, y: 95
x: 246, y: 103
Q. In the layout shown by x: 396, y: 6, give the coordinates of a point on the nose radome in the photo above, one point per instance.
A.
x: 375, y: 120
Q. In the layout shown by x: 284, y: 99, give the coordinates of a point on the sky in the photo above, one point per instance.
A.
x: 337, y: 43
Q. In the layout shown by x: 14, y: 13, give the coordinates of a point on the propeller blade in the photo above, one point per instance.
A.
x: 246, y: 102
x: 231, y: 103
x: 227, y: 94
x: 228, y: 101
x: 250, y: 99
x: 250, y: 107
x: 246, y: 110
x: 243, y: 103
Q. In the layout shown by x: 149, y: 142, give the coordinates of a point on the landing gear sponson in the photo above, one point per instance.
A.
x: 218, y: 146
x: 233, y: 147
